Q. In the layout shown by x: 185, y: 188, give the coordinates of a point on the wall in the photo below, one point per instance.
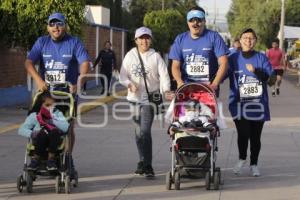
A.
x: 13, y: 77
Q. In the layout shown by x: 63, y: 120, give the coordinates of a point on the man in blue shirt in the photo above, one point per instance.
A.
x: 199, y: 55
x: 59, y: 55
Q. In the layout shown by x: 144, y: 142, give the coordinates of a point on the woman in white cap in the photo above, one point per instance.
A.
x: 141, y: 59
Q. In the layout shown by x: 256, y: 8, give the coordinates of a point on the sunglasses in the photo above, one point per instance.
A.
x: 59, y: 24
x: 196, y: 19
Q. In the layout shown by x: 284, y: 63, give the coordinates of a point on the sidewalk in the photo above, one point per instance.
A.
x: 11, y: 117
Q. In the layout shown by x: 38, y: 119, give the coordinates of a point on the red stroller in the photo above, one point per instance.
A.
x: 194, y: 145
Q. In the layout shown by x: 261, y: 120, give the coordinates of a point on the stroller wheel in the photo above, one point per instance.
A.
x: 20, y: 183
x: 75, y: 179
x: 168, y: 180
x: 207, y: 180
x: 67, y: 185
x: 29, y: 183
x: 218, y: 169
x: 57, y: 185
x: 217, y: 177
x: 177, y: 180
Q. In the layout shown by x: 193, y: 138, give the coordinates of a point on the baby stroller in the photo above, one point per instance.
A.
x: 194, y: 145
x: 64, y: 102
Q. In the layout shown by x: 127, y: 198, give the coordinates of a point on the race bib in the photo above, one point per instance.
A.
x: 250, y: 90
x: 197, y: 69
x: 55, y: 77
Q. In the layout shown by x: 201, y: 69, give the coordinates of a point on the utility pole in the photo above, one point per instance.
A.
x: 281, y: 32
x: 215, y: 17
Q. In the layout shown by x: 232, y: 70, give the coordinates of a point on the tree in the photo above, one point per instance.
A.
x: 137, y: 9
x: 165, y: 25
x: 263, y: 17
x: 23, y: 21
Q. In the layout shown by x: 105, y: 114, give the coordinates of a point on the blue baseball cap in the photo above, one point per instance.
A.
x: 58, y: 16
x: 195, y: 14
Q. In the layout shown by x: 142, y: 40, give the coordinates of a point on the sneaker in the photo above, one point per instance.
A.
x: 254, y: 170
x: 33, y: 165
x: 273, y: 93
x: 140, y: 168
x: 51, y: 165
x: 277, y: 91
x: 238, y: 167
x: 149, y: 173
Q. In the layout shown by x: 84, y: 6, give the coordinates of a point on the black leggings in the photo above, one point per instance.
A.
x: 108, y: 76
x: 49, y: 141
x: 249, y: 130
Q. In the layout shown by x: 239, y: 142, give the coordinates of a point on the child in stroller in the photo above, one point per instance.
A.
x: 194, y: 133
x: 195, y: 115
x: 48, y: 133
x: 44, y: 125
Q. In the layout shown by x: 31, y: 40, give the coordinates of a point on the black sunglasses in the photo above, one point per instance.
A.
x: 60, y: 24
x: 197, y: 19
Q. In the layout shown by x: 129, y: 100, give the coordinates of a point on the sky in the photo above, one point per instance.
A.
x: 222, y: 7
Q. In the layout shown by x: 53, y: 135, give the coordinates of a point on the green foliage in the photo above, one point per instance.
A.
x: 292, y: 17
x: 263, y: 17
x: 165, y: 24
x: 137, y: 9
x: 22, y: 21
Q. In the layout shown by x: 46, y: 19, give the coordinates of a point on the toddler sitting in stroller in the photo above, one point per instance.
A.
x: 195, y: 115
x: 44, y: 125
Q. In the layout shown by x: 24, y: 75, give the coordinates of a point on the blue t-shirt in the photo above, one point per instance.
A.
x: 248, y: 97
x: 232, y: 51
x: 199, y: 57
x: 59, y: 61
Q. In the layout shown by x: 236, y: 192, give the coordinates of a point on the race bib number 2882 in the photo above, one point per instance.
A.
x: 197, y: 69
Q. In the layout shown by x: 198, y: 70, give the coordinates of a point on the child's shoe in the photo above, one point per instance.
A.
x: 33, y: 165
x: 51, y: 165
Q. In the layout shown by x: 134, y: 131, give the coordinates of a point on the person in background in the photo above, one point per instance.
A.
x: 276, y: 57
x: 107, y: 59
x: 236, y: 46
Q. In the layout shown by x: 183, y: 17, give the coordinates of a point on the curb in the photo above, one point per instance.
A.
x: 88, y: 106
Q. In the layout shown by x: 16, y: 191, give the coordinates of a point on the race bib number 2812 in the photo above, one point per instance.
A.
x: 55, y: 77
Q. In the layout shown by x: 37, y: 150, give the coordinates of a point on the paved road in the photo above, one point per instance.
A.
x: 106, y: 158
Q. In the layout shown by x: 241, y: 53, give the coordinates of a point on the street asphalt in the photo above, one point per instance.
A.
x: 106, y: 156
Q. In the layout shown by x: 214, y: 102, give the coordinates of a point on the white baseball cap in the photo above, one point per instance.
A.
x: 142, y: 31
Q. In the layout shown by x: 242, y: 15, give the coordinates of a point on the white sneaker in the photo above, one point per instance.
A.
x: 254, y: 170
x: 238, y: 167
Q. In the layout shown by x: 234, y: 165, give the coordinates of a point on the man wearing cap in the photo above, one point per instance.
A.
x: 59, y: 55
x: 157, y: 78
x: 198, y: 55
